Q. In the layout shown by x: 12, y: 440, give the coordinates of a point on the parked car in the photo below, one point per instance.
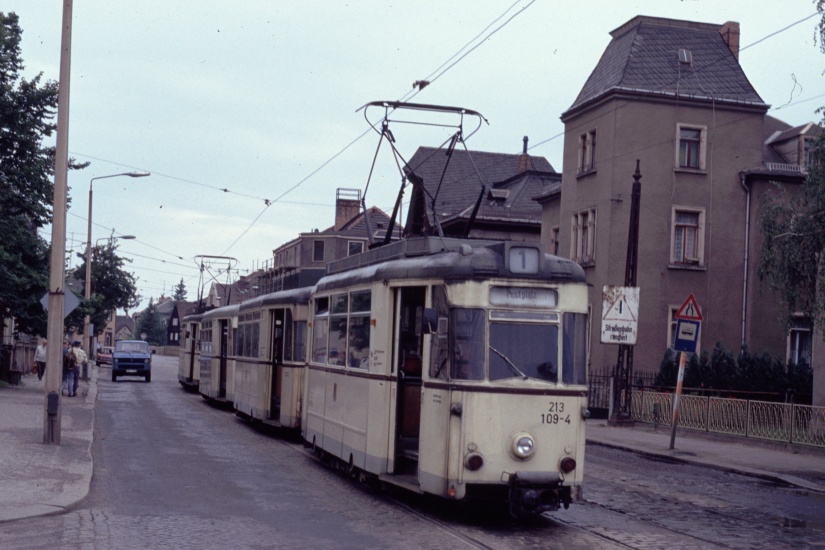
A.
x: 132, y: 358
x: 104, y: 356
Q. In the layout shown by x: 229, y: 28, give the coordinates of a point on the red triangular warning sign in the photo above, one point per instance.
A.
x: 689, y: 310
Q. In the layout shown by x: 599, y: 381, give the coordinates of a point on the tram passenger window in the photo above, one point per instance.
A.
x: 320, y: 330
x: 359, y: 330
x: 338, y: 330
x: 300, y: 340
x: 574, y: 356
x: 467, y: 327
x: 524, y: 349
x: 439, y: 348
x: 288, y: 335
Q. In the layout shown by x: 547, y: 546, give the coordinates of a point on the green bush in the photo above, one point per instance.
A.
x: 721, y: 371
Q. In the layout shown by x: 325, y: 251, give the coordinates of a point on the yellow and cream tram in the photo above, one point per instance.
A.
x: 189, y: 360
x: 217, y: 354
x: 271, y: 357
x: 453, y: 367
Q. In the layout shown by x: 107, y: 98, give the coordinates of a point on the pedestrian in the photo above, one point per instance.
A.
x: 79, y: 358
x: 40, y: 359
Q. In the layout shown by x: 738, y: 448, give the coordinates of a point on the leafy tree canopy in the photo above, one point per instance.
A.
x: 793, y: 251
x: 113, y: 288
x: 150, y: 324
x: 27, y: 111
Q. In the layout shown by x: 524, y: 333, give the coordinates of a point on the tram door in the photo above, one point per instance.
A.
x: 223, y: 354
x: 408, y: 366
x: 192, y: 335
x: 276, y: 362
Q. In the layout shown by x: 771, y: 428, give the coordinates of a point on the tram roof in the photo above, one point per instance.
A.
x: 282, y: 297
x: 444, y: 258
x: 225, y: 311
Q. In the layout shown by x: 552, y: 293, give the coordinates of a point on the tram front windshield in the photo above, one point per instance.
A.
x: 524, y: 350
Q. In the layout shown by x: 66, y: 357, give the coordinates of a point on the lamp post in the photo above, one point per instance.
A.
x: 87, y: 294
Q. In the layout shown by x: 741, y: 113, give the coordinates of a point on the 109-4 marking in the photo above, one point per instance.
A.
x: 555, y: 414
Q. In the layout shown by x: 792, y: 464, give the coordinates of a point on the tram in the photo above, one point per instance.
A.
x: 271, y: 358
x: 454, y: 368
x: 189, y: 359
x: 217, y: 354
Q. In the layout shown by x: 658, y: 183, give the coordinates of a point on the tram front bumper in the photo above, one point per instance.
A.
x: 536, y: 492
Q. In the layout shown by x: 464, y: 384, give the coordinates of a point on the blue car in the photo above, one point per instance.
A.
x: 132, y: 358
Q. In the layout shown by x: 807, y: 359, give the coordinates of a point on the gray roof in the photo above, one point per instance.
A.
x: 643, y: 58
x: 513, y: 180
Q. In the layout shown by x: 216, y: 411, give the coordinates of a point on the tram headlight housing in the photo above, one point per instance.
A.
x: 522, y: 445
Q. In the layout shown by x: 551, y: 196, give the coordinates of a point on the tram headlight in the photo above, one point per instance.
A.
x: 523, y: 445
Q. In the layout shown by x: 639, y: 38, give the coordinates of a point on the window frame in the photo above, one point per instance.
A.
x: 687, y: 261
x: 799, y: 325
x: 583, y: 237
x: 587, y: 153
x: 701, y: 143
x: 318, y: 245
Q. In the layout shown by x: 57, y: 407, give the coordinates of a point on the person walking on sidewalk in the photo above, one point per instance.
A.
x: 40, y: 359
x: 74, y: 367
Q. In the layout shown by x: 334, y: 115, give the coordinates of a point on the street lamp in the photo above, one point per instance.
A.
x: 87, y: 294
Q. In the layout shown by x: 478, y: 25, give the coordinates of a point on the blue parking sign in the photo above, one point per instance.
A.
x: 687, y: 335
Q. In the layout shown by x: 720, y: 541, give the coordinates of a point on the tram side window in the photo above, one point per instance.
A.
x: 338, y: 330
x: 439, y: 346
x: 288, y: 335
x: 574, y: 354
x: 300, y: 328
x: 359, y: 330
x: 467, y: 328
x: 320, y: 330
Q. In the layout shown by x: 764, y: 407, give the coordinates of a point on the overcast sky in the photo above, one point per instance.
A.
x: 256, y: 96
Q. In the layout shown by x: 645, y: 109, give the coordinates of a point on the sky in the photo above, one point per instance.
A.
x: 246, y: 113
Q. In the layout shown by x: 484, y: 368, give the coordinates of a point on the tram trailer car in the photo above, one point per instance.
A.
x: 189, y: 358
x: 271, y: 358
x: 454, y: 368
x: 217, y: 358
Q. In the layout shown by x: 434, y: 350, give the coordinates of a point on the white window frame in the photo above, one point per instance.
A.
x: 587, y: 153
x: 703, y: 135
x: 583, y: 237
x: 349, y: 247
x: 800, y: 329
x: 685, y: 261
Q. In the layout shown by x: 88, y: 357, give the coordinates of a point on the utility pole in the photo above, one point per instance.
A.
x: 57, y: 270
x: 623, y: 374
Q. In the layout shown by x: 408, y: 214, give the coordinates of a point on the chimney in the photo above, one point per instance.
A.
x: 524, y: 159
x: 730, y: 34
x: 347, y: 206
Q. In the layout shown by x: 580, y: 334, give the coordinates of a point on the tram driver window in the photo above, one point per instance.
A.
x: 467, y: 327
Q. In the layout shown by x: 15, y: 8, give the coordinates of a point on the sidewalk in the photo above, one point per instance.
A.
x: 37, y: 479
x: 799, y: 465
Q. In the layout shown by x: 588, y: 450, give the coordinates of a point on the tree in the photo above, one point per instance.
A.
x: 112, y: 287
x: 792, y: 261
x: 180, y: 291
x: 27, y: 110
x: 150, y: 324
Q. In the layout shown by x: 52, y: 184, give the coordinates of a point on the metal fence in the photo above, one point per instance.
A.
x: 799, y: 424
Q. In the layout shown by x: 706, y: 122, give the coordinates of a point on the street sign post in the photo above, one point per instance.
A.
x: 688, y: 325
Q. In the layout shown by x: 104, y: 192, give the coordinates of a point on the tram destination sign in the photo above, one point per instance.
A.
x: 620, y: 315
x: 523, y: 297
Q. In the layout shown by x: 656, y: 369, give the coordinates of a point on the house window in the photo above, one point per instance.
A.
x: 355, y: 247
x: 587, y: 152
x: 807, y: 152
x: 687, y: 236
x: 554, y: 241
x: 799, y: 340
x: 691, y: 151
x: 318, y: 251
x: 583, y: 245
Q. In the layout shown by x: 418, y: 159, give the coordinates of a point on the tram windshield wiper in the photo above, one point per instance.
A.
x: 510, y: 364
